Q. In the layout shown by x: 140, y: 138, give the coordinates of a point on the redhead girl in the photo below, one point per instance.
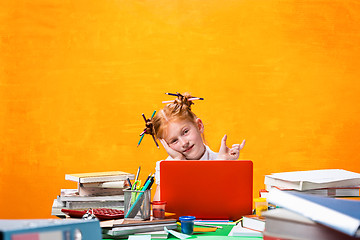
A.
x: 180, y: 131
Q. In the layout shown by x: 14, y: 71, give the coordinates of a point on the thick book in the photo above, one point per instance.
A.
x: 128, y: 227
x: 56, y: 208
x: 327, y: 192
x: 285, y: 224
x: 96, y: 177
x: 130, y: 222
x: 314, y: 179
x: 339, y: 214
x: 96, y: 189
x: 77, y: 198
x: 254, y: 222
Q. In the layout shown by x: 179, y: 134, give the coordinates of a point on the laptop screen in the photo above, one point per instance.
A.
x: 207, y: 189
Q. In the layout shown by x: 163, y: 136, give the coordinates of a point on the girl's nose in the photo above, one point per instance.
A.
x: 184, y: 143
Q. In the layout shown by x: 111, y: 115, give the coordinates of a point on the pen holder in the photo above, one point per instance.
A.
x: 137, y: 204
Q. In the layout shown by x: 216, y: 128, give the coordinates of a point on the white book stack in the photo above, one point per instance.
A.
x: 95, y: 190
x: 323, y: 182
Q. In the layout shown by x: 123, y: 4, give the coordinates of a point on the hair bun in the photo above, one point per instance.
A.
x: 184, y: 100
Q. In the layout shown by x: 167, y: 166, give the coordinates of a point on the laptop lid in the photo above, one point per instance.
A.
x: 207, y: 189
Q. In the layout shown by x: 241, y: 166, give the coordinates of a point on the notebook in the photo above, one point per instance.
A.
x: 207, y: 189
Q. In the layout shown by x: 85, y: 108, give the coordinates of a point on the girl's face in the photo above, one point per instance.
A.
x: 185, y: 137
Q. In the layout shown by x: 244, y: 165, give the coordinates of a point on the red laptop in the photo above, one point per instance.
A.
x: 207, y: 189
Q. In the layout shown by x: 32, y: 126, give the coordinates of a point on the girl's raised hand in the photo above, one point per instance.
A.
x: 172, y: 153
x: 226, y: 153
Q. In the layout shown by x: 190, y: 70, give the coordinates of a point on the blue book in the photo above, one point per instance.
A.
x: 339, y: 214
x: 50, y: 229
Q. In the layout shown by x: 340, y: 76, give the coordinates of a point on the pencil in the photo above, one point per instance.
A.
x: 172, y: 94
x: 157, y: 145
x: 141, y: 138
x: 195, y: 98
x: 190, y: 99
x: 153, y: 114
x: 207, y: 225
x: 168, y: 101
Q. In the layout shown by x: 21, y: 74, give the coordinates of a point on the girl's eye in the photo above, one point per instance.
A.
x: 186, y: 131
x: 173, y: 141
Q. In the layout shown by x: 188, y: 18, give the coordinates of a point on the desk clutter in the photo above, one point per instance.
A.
x: 318, y: 204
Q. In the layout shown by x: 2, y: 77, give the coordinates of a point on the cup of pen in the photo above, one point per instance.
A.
x: 137, y: 204
x: 187, y: 224
x: 158, y: 209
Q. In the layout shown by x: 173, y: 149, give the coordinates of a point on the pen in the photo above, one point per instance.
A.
x: 137, y: 176
x: 148, y: 177
x: 147, y: 184
x: 128, y: 180
x: 151, y: 181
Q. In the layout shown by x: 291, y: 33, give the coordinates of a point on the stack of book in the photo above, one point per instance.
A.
x: 305, y: 216
x: 122, y: 228
x: 325, y: 182
x: 95, y: 190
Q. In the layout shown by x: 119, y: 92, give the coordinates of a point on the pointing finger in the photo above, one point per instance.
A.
x: 242, y: 144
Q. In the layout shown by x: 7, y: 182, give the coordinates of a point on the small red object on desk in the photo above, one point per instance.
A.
x: 100, y: 213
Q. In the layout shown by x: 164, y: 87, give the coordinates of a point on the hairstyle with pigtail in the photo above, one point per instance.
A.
x: 179, y: 109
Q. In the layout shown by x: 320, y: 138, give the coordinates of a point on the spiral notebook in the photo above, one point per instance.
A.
x: 207, y: 189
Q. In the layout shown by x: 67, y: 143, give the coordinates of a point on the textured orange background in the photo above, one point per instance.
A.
x: 75, y: 77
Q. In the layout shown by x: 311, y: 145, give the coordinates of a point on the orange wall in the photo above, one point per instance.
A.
x: 75, y: 77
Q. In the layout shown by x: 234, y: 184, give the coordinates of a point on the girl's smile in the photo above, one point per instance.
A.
x: 185, y: 137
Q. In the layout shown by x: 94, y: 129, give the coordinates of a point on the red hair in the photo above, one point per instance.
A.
x: 180, y: 109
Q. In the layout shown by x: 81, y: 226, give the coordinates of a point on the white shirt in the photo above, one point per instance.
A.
x: 208, y: 155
